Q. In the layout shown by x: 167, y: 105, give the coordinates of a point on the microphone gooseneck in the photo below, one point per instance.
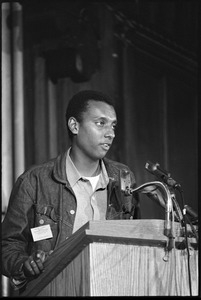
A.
x: 163, y: 175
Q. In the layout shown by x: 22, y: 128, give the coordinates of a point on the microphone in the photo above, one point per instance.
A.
x: 125, y: 182
x: 156, y: 170
x: 191, y: 212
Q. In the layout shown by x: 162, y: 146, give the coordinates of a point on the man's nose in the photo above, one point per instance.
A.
x: 110, y: 133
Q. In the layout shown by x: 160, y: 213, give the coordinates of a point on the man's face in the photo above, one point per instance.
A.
x: 96, y: 131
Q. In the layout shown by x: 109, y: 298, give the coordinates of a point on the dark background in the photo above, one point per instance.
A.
x: 142, y: 53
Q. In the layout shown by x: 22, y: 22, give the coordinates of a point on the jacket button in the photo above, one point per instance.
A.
x: 72, y: 211
x: 41, y: 221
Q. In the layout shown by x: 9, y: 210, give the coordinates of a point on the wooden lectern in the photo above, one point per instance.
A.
x: 119, y: 258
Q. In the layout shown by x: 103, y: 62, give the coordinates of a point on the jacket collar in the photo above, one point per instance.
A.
x: 59, y: 169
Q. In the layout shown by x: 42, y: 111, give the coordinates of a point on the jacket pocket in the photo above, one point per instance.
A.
x: 45, y: 214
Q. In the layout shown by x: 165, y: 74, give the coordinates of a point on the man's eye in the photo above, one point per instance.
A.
x: 114, y: 127
x: 100, y: 123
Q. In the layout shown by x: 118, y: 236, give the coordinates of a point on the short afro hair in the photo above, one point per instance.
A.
x: 79, y: 104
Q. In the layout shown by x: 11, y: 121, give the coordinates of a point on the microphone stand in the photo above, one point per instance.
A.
x: 168, y: 231
x: 186, y: 239
x: 168, y: 227
x: 165, y: 177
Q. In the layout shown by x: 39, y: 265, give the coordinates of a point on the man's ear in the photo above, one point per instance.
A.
x: 73, y: 125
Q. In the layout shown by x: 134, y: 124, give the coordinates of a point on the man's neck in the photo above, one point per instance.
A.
x: 86, y: 167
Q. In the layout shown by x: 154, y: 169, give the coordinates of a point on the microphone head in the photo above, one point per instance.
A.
x: 156, y: 170
x: 151, y: 167
x: 191, y: 212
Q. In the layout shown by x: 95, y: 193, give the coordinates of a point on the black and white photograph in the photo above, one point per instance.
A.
x: 100, y: 149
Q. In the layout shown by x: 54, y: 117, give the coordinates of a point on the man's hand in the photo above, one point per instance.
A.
x: 34, y: 264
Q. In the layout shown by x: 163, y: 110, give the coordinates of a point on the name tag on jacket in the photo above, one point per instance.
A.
x: 41, y: 232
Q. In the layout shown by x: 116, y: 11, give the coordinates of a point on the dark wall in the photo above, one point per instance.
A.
x: 152, y: 79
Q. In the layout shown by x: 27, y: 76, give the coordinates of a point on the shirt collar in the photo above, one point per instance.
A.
x: 104, y: 179
x: 73, y: 174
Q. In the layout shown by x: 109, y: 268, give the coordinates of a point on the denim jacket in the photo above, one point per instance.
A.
x: 42, y: 195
